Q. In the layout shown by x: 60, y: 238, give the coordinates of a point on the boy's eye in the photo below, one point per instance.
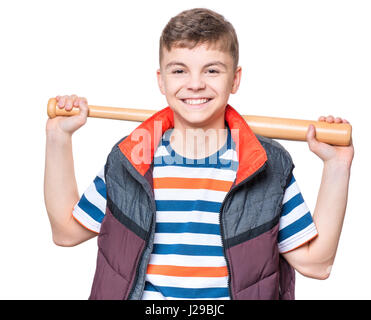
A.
x: 212, y: 71
x: 178, y: 71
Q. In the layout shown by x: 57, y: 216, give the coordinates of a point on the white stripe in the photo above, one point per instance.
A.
x: 161, y: 151
x: 85, y: 219
x: 187, y: 282
x: 187, y: 261
x: 298, y: 239
x: 188, y: 238
x: 193, y: 172
x: 152, y: 295
x: 101, y: 174
x: 290, y: 192
x: 190, y: 194
x: 187, y: 216
x: 230, y: 154
x: 294, y: 215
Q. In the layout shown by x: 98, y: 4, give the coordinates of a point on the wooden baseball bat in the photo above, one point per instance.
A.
x: 276, y: 128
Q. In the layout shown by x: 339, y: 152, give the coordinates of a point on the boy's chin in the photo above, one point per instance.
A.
x: 196, y: 119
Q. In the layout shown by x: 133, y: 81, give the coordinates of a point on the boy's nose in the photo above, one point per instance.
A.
x: 196, y: 83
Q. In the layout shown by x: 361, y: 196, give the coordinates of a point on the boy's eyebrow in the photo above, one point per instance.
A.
x: 213, y: 63
x: 216, y: 63
x: 174, y: 63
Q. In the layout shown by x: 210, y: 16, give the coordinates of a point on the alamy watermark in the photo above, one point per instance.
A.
x: 201, y: 143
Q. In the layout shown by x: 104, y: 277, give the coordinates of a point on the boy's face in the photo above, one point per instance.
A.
x: 197, y: 83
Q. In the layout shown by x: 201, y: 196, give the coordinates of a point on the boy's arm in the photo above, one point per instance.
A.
x: 60, y: 188
x: 315, y: 258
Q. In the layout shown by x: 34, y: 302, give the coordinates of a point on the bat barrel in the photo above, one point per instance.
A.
x: 295, y: 129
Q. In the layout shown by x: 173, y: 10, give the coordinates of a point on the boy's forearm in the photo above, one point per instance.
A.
x: 60, y: 188
x: 329, y: 212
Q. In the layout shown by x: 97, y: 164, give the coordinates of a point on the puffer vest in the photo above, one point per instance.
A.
x: 249, y: 215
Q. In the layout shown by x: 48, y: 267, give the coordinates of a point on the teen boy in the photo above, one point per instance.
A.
x: 219, y: 218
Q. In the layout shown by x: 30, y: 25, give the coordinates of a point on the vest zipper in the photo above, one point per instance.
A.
x: 221, y: 222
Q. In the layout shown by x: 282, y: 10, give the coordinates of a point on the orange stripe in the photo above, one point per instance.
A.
x: 177, y: 271
x: 191, y: 183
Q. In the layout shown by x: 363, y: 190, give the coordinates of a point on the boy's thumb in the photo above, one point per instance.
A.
x: 311, y: 137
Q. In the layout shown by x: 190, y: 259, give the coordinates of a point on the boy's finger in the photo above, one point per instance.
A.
x: 84, y: 110
x: 73, y: 99
x: 62, y: 101
x: 330, y: 119
x: 83, y: 101
x: 68, y: 105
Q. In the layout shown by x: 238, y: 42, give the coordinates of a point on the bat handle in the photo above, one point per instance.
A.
x: 128, y: 114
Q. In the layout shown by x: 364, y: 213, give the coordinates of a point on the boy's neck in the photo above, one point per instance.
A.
x: 195, y: 142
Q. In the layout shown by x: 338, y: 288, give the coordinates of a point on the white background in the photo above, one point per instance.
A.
x: 300, y: 59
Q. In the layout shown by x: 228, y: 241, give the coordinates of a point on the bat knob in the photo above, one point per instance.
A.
x: 52, y: 104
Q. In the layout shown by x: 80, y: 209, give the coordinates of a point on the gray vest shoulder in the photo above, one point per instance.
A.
x: 114, y: 155
x: 279, y: 158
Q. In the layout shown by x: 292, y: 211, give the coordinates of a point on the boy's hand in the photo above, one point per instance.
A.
x: 326, y: 152
x: 69, y: 124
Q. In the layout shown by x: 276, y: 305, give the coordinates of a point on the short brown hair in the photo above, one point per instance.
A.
x: 200, y: 26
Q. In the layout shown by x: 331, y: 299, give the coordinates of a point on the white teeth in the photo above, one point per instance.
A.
x: 195, y: 101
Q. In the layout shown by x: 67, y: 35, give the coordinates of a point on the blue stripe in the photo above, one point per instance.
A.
x: 190, y: 227
x: 91, y: 209
x: 188, y: 293
x: 292, y: 204
x: 295, y: 227
x: 187, y: 249
x: 210, y: 162
x: 291, y: 181
x: 149, y: 286
x: 187, y: 205
x: 100, y: 186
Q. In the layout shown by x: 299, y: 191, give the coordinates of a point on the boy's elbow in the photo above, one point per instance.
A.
x: 63, y: 238
x: 63, y: 241
x: 322, y: 274
x: 319, y: 272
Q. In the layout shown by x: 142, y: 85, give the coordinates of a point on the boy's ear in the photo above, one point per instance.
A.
x: 160, y: 81
x: 236, y: 80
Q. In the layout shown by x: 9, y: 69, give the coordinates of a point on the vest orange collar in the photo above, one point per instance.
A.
x: 146, y: 137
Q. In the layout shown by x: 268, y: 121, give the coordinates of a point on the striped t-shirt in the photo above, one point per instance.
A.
x: 187, y: 261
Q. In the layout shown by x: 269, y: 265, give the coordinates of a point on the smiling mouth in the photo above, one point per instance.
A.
x: 196, y: 102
